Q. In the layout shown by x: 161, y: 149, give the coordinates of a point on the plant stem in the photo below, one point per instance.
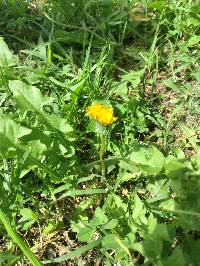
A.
x: 18, y: 240
x: 101, y: 154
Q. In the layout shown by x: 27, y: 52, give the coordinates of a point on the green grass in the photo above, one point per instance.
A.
x: 59, y: 206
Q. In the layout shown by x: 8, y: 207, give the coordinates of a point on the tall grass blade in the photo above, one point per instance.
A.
x: 18, y: 240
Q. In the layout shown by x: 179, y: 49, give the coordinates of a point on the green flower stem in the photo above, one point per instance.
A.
x: 101, y: 154
x: 18, y: 240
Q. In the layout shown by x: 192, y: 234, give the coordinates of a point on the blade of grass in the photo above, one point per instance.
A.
x: 18, y: 240
x: 74, y: 253
x: 80, y: 192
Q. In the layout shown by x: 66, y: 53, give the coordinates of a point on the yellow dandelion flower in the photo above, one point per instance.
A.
x: 101, y: 113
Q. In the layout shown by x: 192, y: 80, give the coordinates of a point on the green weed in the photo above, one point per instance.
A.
x: 74, y: 192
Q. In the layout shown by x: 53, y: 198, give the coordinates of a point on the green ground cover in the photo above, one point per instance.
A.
x: 76, y: 192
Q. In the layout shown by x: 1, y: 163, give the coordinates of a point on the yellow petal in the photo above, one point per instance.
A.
x: 101, y: 113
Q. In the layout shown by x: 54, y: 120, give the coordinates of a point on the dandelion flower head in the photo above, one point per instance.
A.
x: 101, y: 113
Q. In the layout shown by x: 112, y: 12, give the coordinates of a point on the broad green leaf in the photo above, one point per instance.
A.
x: 168, y: 205
x: 50, y: 228
x: 115, y: 205
x: 25, y: 226
x: 126, y: 176
x: 29, y: 98
x: 58, y: 123
x: 110, y: 225
x: 176, y: 258
x: 122, y: 89
x: 152, y: 248
x: 27, y: 214
x: 179, y: 153
x: 190, y: 250
x: 170, y: 84
x: 101, y: 215
x: 29, y: 217
x: 36, y: 149
x: 138, y: 211
x: 99, y: 218
x: 132, y: 170
x: 157, y: 231
x: 11, y: 146
x: 134, y: 77
x: 110, y: 241
x: 130, y: 240
x: 174, y: 169
x: 159, y: 190
x: 149, y: 159
x: 85, y: 234
x: 6, y: 56
x: 10, y: 134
